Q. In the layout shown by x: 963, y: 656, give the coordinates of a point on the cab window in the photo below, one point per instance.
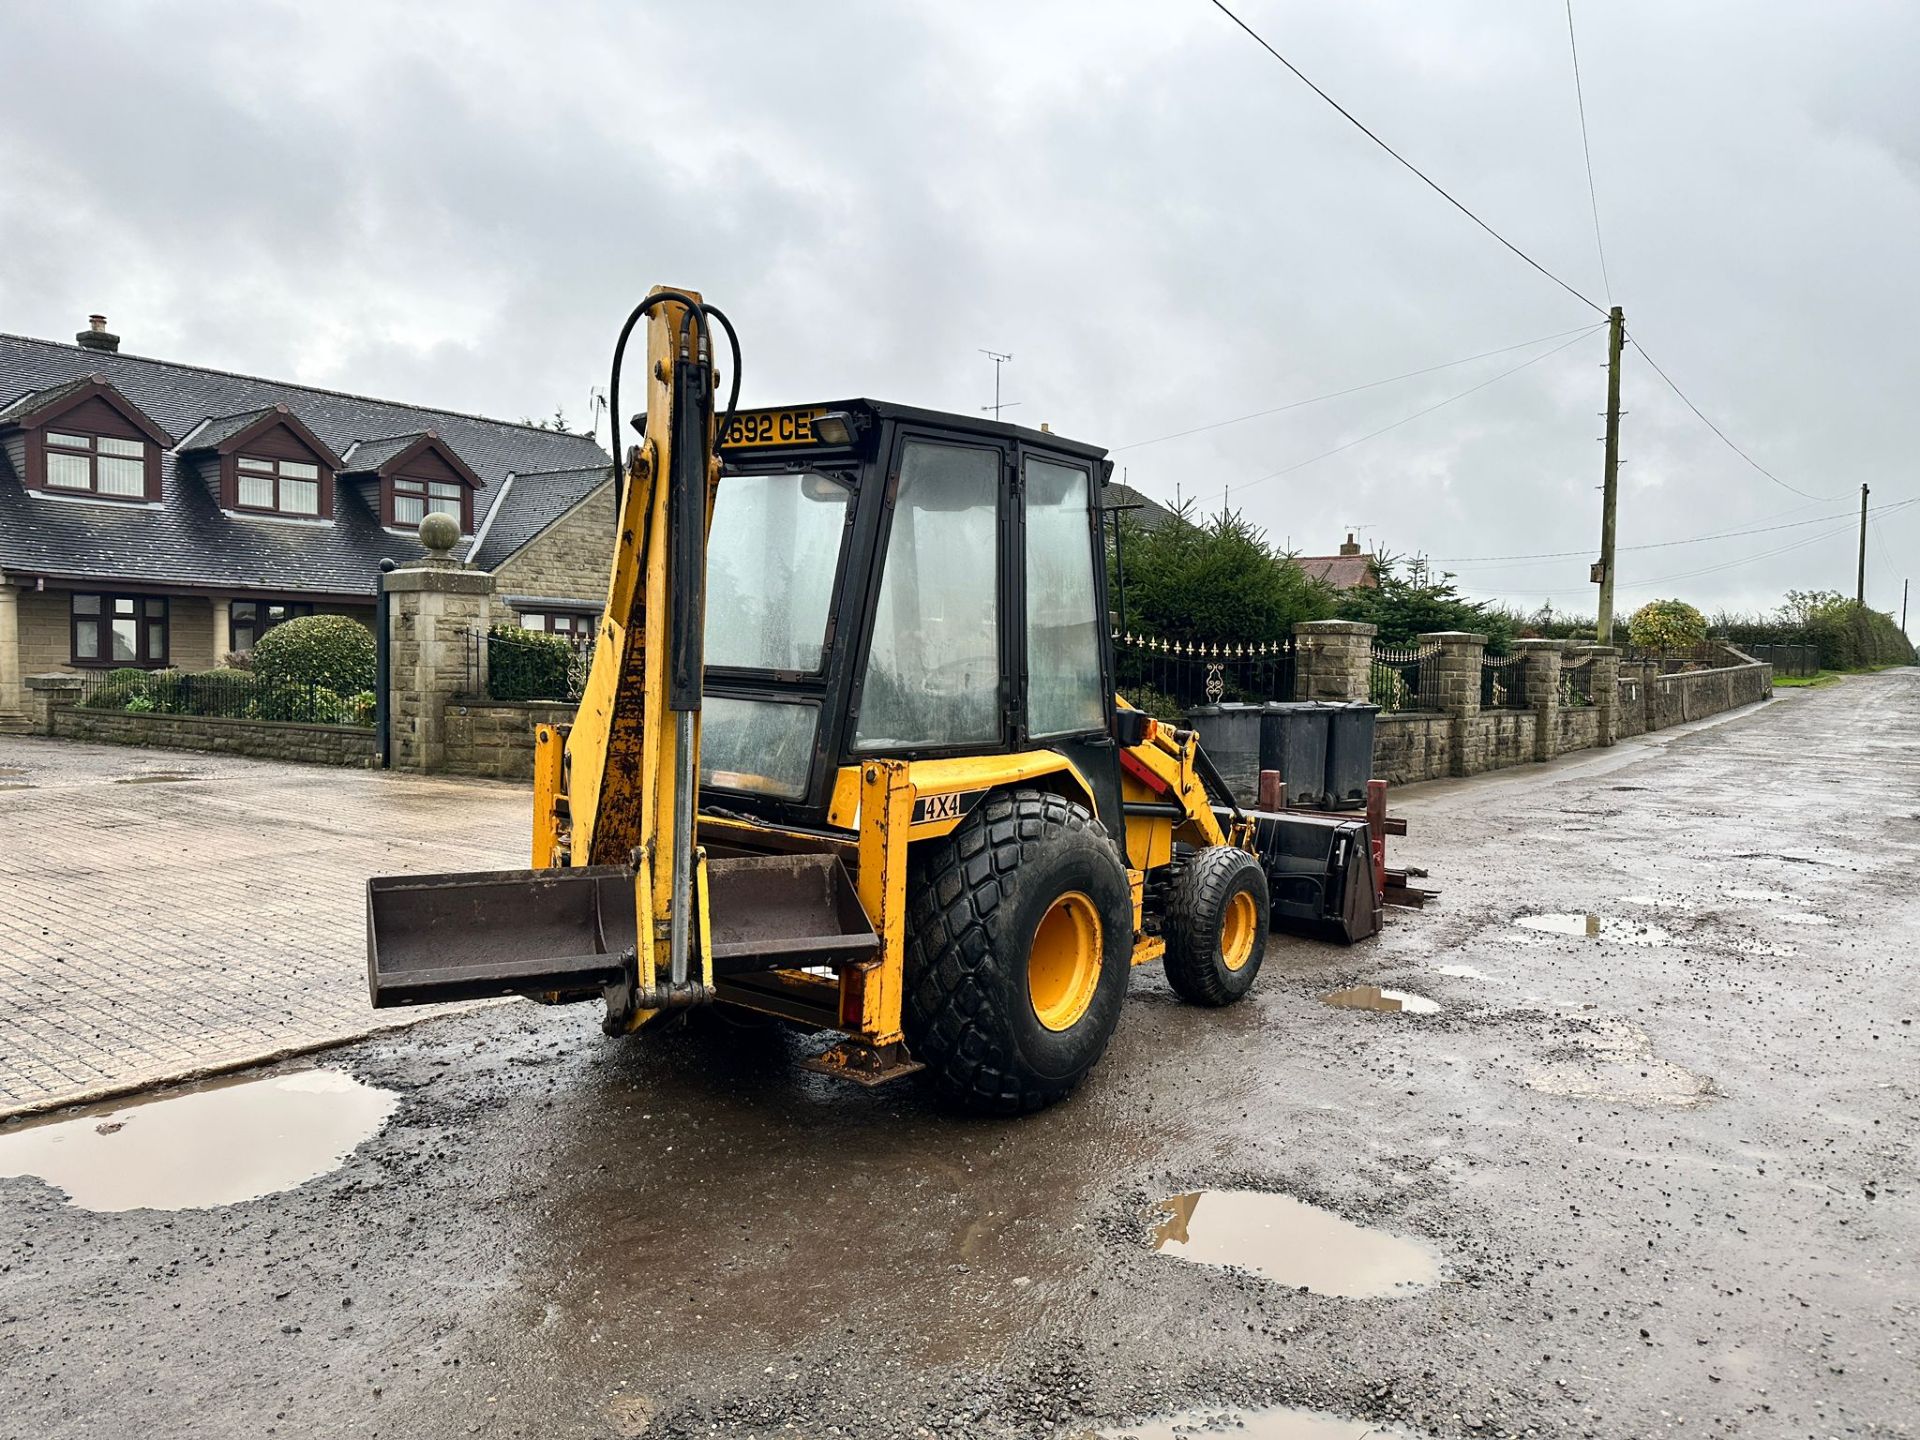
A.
x: 1063, y: 638
x: 771, y: 564
x: 933, y: 670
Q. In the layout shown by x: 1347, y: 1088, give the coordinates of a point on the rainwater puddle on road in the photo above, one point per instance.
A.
x: 1598, y: 927
x: 1372, y: 997
x: 1460, y: 972
x: 13, y: 785
x: 1292, y: 1243
x: 1278, y: 1422
x: 218, y: 1144
x: 156, y: 777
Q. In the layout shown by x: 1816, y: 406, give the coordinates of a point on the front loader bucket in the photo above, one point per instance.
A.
x: 519, y: 932
x: 497, y: 932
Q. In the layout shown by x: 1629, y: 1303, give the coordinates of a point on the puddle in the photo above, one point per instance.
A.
x: 1611, y: 1059
x: 14, y: 785
x: 1292, y: 1243
x: 1460, y: 972
x: 217, y: 1144
x: 1372, y: 997
x: 1598, y: 927
x: 1278, y: 1422
x: 156, y: 777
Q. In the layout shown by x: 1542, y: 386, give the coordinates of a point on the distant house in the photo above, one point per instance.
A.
x: 1147, y: 513
x: 154, y: 514
x: 1349, y: 570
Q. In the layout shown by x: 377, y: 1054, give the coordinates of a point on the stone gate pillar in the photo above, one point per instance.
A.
x: 1333, y: 659
x: 1543, y: 692
x: 435, y: 605
x: 1606, y: 690
x: 1457, y: 693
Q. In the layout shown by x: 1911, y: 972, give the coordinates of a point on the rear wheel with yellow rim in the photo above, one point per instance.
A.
x: 1216, y: 925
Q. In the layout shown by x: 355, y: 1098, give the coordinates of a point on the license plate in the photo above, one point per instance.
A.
x: 769, y: 429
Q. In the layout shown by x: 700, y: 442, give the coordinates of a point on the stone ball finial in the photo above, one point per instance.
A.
x: 439, y: 533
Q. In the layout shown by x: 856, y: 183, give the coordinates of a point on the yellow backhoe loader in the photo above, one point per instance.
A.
x: 850, y: 756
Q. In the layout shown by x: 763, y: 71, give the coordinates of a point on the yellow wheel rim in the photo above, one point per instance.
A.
x: 1063, y: 965
x: 1239, y: 927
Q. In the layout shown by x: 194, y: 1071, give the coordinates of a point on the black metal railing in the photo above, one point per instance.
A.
x: 1503, y: 683
x: 1181, y: 674
x: 228, y: 694
x: 510, y: 664
x: 1796, y: 660
x: 1404, y: 680
x: 1576, y: 683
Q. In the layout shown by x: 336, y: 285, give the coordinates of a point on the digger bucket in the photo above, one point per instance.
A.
x: 518, y: 932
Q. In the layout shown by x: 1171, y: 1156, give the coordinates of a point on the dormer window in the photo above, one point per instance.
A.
x: 96, y: 464
x: 83, y: 440
x: 414, y: 499
x: 285, y: 487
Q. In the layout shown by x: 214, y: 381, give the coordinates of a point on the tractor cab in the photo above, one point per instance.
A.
x: 890, y: 582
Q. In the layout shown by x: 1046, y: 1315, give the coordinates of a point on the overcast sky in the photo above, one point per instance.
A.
x: 456, y: 204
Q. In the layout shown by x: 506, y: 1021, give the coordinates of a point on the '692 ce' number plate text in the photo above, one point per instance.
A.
x: 760, y: 429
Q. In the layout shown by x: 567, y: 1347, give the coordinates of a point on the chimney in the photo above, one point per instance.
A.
x: 96, y: 337
x: 1352, y: 547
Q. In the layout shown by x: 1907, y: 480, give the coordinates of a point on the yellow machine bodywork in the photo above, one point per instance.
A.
x: 658, y: 901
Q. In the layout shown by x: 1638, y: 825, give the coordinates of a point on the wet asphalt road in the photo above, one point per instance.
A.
x: 1673, y: 1184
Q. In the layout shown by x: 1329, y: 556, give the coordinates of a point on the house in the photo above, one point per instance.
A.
x: 154, y: 514
x: 1349, y: 570
x: 1147, y: 513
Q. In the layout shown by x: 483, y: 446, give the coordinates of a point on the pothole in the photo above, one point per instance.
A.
x: 1278, y: 1422
x: 155, y: 777
x: 1460, y: 972
x: 1611, y: 1059
x: 1292, y: 1243
x: 1372, y: 997
x: 1598, y: 927
x: 216, y: 1144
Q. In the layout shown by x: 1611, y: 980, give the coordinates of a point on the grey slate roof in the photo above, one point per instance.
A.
x: 218, y: 429
x: 189, y: 540
x: 33, y: 399
x: 367, y: 456
x: 1148, y: 513
x: 533, y: 502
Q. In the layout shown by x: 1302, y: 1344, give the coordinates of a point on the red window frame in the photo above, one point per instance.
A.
x: 572, y: 624
x: 421, y: 488
x: 242, y: 473
x: 50, y: 446
x: 253, y: 624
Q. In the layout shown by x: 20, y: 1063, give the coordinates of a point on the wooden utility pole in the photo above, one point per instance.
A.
x: 1610, y: 489
x: 1903, y: 607
x: 1860, y: 581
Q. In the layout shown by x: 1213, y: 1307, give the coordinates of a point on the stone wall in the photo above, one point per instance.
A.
x: 494, y: 738
x: 266, y: 739
x: 1412, y: 747
x: 1579, y: 728
x: 570, y: 559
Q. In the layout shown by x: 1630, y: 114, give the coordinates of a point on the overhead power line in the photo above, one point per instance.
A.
x: 1724, y: 439
x: 1846, y: 529
x: 1587, y: 150
x: 1406, y: 419
x: 1425, y: 178
x: 1351, y: 390
x: 1656, y: 544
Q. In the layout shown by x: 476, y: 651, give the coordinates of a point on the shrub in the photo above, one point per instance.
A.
x: 116, y: 688
x: 526, y: 665
x: 360, y: 707
x: 140, y: 705
x: 1156, y: 703
x: 1667, y: 625
x: 215, y: 692
x: 336, y: 651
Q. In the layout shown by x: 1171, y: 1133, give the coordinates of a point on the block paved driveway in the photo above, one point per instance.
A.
x: 164, y: 912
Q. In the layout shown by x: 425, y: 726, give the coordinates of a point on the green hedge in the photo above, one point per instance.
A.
x: 336, y: 651
x: 526, y: 665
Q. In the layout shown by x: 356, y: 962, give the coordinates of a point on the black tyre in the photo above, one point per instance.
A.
x: 1216, y: 925
x: 1019, y: 940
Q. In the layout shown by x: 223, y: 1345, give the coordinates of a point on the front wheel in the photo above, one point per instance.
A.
x: 1216, y: 925
x: 1020, y: 938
